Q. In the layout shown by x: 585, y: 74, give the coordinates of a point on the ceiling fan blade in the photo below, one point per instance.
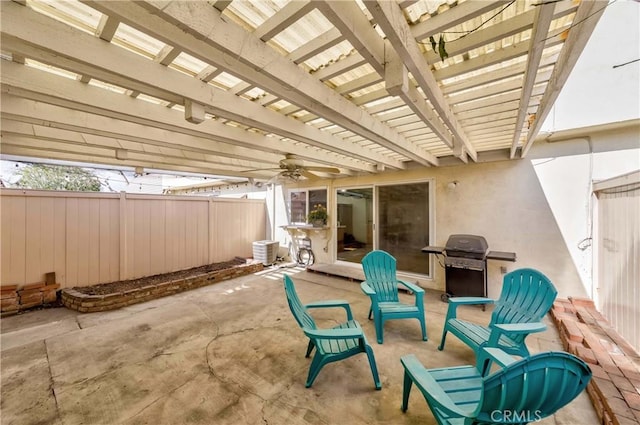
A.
x: 263, y: 169
x: 330, y: 170
x: 307, y: 174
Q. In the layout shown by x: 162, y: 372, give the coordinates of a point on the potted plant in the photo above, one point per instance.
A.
x: 318, y: 216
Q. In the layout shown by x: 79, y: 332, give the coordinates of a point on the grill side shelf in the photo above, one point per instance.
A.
x: 501, y: 255
x: 433, y: 249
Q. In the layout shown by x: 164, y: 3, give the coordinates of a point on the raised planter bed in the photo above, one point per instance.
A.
x: 111, y: 296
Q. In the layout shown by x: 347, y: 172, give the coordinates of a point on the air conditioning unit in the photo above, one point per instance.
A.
x: 266, y: 251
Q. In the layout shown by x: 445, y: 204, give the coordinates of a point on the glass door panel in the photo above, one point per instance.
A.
x: 355, y: 224
x: 403, y: 224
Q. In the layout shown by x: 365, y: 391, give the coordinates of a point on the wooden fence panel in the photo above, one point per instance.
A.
x: 619, y: 251
x: 13, y: 235
x: 90, y: 238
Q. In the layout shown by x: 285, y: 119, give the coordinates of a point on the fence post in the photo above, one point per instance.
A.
x: 123, y: 236
x: 211, y: 233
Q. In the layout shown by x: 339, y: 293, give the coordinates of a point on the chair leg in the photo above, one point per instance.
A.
x: 374, y: 368
x: 444, y: 336
x: 423, y: 326
x: 379, y: 325
x: 406, y: 390
x: 310, y: 348
x: 314, y: 369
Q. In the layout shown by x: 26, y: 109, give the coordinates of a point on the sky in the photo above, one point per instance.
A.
x: 604, y: 85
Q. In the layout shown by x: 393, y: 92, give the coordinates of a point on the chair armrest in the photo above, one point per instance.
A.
x: 334, y: 333
x: 412, y: 287
x: 428, y: 386
x: 470, y: 300
x: 498, y: 356
x: 368, y: 290
x: 332, y: 303
x: 521, y: 328
x: 513, y: 329
x: 454, y: 302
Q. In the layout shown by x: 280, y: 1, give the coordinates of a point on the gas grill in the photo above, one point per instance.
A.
x: 465, y: 264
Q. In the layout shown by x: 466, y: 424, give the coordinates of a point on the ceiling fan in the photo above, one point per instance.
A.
x: 293, y: 168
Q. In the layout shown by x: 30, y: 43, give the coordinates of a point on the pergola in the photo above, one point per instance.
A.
x: 230, y: 87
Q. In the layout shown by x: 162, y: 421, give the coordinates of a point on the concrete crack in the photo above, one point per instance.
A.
x: 160, y: 398
x: 51, y: 387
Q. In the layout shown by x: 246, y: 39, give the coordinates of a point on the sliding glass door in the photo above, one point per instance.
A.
x: 403, y: 223
x: 355, y: 223
x: 395, y: 218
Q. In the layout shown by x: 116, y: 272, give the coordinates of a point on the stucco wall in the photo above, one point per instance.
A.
x: 504, y: 202
x: 538, y: 207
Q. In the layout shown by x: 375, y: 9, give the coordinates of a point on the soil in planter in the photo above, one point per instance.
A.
x: 124, y: 285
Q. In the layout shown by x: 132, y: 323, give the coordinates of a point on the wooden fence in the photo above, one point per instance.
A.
x: 90, y: 238
x: 618, y: 262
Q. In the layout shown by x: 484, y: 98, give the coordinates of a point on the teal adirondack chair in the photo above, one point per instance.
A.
x: 381, y: 285
x: 342, y: 341
x: 527, y: 295
x: 523, y: 391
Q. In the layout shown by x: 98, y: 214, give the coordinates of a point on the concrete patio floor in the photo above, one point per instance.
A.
x: 230, y: 353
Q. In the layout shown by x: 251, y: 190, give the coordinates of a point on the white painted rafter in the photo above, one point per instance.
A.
x: 390, y: 18
x: 35, y: 85
x: 319, y: 44
x: 110, y: 63
x: 292, y: 12
x: 541, y: 24
x: 107, y: 27
x: 587, y: 16
x: 454, y: 16
x: 71, y: 141
x: 211, y: 38
x: 248, y: 93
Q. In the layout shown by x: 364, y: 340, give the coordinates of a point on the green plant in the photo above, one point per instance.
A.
x: 318, y: 213
x: 57, y: 177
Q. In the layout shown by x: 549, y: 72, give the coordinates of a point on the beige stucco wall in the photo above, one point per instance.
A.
x: 502, y: 201
x: 507, y: 202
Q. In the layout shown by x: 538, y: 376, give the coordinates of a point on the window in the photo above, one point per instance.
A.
x: 301, y: 201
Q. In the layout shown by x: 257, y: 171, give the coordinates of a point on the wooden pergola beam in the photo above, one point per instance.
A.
x: 30, y: 83
x: 454, y: 16
x: 390, y: 18
x: 201, y: 32
x: 284, y: 18
x: 541, y: 24
x: 109, y: 63
x: 588, y: 14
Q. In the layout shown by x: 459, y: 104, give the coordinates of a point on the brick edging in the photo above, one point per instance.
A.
x: 84, y: 303
x: 615, y: 386
x: 14, y: 300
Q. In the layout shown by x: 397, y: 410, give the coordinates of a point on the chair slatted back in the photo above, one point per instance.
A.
x: 298, y: 309
x: 527, y: 295
x: 532, y: 388
x: 380, y: 273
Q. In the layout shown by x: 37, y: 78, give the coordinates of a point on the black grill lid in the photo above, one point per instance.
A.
x: 467, y: 246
